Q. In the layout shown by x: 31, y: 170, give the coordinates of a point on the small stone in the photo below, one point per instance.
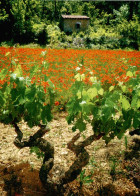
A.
x: 64, y: 152
x: 103, y: 164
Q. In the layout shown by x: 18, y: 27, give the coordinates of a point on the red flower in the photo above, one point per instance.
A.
x: 56, y: 103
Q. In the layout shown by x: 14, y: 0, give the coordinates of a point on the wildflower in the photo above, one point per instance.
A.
x: 21, y: 78
x: 13, y: 75
x: 43, y: 53
x: 77, y: 68
x: 93, y: 79
x: 91, y: 72
x: 83, y: 102
x: 56, y: 103
x: 83, y: 77
x: 43, y: 62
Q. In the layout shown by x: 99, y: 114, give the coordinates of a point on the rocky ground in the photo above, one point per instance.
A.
x: 115, y: 167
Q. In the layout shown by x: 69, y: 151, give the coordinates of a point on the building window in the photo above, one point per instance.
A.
x: 78, y: 25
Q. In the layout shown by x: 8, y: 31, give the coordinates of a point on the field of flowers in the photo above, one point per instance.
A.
x: 108, y: 66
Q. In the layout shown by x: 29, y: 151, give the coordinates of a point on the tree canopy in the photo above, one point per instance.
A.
x: 24, y: 21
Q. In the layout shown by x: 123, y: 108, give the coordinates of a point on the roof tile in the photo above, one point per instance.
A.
x: 75, y: 16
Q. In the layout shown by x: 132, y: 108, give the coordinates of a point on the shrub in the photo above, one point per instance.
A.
x: 54, y: 34
x: 102, y: 37
x: 130, y: 33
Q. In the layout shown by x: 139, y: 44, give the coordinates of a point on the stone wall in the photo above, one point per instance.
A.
x: 69, y: 24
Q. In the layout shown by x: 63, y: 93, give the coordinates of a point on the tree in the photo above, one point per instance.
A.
x: 6, y: 20
x: 18, y: 18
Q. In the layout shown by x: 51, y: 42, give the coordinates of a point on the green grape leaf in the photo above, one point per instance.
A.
x: 78, y: 77
x: 85, y: 95
x: 18, y: 71
x: 30, y: 123
x: 136, y: 120
x: 125, y: 103
x: 101, y: 91
x: 70, y: 119
x: 111, y: 88
x: 46, y: 114
x: 87, y: 107
x: 135, y: 103
x: 106, y: 112
x: 79, y: 94
x: 123, y: 88
x: 127, y: 123
x: 74, y: 107
x: 138, y: 104
x: 129, y: 74
x: 120, y: 134
x: 92, y: 92
x: 30, y: 93
x: 80, y: 125
x: 22, y: 101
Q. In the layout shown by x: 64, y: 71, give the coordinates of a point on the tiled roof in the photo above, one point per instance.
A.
x: 75, y: 17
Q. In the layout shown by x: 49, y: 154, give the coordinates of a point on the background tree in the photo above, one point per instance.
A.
x: 23, y: 21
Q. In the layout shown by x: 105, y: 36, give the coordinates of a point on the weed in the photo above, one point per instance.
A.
x: 113, y: 165
x: 83, y: 179
x: 37, y: 151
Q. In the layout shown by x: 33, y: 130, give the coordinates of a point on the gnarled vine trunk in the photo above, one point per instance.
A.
x: 81, y: 159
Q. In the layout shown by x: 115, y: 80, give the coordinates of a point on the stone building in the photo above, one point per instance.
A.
x: 71, y: 23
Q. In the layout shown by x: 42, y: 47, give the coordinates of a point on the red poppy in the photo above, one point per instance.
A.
x: 56, y: 103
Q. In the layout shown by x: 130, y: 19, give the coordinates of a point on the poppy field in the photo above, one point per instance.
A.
x: 108, y: 66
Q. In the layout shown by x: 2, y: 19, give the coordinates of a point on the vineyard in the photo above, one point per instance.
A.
x: 68, y: 120
x: 107, y: 65
x: 61, y: 64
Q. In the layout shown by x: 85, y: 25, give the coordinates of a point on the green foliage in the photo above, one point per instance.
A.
x: 121, y: 14
x: 37, y: 151
x: 113, y: 25
x: 110, y: 110
x: 66, y: 8
x: 54, y: 34
x: 22, y: 100
x: 40, y: 33
x: 3, y: 14
x: 113, y: 165
x: 98, y: 37
x: 83, y: 179
x: 130, y: 33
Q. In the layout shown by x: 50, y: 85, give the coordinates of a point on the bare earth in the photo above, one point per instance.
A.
x: 20, y: 169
